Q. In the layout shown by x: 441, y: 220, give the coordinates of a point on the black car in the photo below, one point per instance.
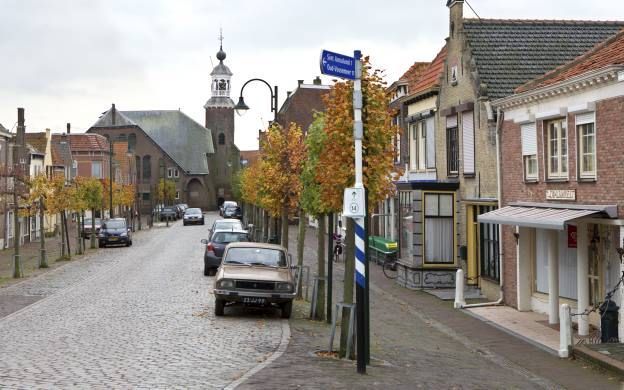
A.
x: 169, y: 212
x: 216, y: 246
x: 193, y: 215
x: 114, y: 232
x: 226, y: 204
x: 233, y: 212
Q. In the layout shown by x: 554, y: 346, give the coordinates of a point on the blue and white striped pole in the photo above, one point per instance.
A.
x: 360, y: 253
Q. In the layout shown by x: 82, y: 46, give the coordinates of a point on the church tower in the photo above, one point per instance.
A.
x: 220, y: 120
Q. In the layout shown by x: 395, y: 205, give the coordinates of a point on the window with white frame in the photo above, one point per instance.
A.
x: 177, y: 195
x: 418, y: 146
x: 176, y: 173
x: 170, y: 172
x: 557, y: 149
x: 439, y: 231
x: 586, y: 133
x: 529, y: 151
x: 96, y: 169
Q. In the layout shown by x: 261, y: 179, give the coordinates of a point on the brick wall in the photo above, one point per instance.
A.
x: 608, y: 188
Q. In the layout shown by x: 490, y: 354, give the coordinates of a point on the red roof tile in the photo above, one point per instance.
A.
x: 607, y: 53
x: 413, y: 74
x: 430, y: 77
x: 38, y: 141
x: 88, y: 142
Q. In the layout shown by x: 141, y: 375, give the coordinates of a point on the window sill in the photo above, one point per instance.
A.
x: 531, y: 181
x: 558, y: 180
x: 587, y: 179
x: 469, y: 175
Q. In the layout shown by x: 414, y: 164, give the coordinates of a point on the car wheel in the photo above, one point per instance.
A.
x: 203, y: 222
x: 286, y: 309
x: 219, y: 307
x: 207, y: 271
x: 130, y: 243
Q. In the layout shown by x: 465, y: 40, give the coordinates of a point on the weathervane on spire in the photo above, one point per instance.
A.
x: 221, y: 38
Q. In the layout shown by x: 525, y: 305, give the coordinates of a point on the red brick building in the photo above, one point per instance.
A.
x: 562, y: 186
x: 92, y: 155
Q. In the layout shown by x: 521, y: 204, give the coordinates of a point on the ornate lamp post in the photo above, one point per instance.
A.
x: 241, y: 106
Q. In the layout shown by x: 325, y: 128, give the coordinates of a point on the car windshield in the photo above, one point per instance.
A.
x: 228, y: 225
x: 193, y: 211
x: 229, y: 204
x: 168, y: 209
x: 256, y: 256
x: 227, y: 237
x: 115, y: 224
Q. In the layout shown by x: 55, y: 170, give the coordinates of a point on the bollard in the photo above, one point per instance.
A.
x: 565, y: 331
x: 459, y: 290
x: 350, y: 333
x: 315, y: 292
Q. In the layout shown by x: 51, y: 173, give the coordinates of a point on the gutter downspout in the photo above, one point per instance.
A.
x: 499, y: 116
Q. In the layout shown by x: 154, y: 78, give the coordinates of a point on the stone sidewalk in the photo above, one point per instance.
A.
x: 418, y: 341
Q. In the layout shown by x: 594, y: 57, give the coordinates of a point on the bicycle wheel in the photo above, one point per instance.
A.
x: 390, y: 269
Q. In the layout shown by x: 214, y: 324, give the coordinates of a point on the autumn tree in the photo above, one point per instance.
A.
x: 283, y: 153
x: 337, y: 158
x: 91, y: 191
x: 166, y: 191
x: 40, y: 192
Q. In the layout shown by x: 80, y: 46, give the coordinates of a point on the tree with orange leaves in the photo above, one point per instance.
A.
x: 281, y: 163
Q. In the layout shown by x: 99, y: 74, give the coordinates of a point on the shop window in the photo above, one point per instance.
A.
x: 488, y: 247
x: 586, y: 133
x: 557, y: 141
x: 439, y: 230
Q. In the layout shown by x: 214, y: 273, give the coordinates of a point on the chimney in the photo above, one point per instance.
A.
x: 113, y: 114
x: 69, y: 128
x: 288, y: 93
x: 21, y: 128
x: 48, y: 132
x: 317, y: 81
x: 456, y: 24
x: 299, y: 82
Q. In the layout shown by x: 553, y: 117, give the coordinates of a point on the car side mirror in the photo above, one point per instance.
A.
x: 129, y: 230
x: 204, y: 241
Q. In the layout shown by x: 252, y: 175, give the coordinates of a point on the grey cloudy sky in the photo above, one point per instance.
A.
x: 68, y: 60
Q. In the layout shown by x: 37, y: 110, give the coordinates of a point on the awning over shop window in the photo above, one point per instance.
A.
x: 545, y: 215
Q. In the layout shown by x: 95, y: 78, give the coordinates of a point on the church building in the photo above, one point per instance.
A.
x: 168, y: 144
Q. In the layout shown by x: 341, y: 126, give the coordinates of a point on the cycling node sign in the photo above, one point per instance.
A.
x: 353, y: 203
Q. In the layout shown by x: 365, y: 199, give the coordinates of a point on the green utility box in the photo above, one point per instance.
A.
x: 381, y: 248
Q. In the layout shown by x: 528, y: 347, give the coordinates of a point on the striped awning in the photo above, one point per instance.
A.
x: 545, y: 215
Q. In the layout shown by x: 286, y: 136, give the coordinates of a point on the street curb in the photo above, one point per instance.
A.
x: 281, y: 348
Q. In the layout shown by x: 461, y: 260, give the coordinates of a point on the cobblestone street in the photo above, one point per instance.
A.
x: 132, y: 317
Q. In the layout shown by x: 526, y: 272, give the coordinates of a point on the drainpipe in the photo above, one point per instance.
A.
x: 499, y: 194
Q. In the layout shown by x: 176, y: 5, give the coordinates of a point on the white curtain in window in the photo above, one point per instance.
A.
x: 439, y: 240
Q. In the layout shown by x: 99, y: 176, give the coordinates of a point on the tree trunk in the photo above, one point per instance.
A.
x: 265, y: 226
x: 300, y: 248
x: 285, y: 227
x: 17, y: 265
x: 347, y: 294
x: 67, y: 235
x: 320, y: 259
x: 93, y: 229
x: 43, y: 262
x: 62, y: 236
x: 78, y: 236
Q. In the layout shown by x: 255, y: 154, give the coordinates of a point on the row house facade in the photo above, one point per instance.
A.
x: 485, y: 60
x: 562, y: 187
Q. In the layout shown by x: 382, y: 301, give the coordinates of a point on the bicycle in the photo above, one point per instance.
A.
x: 338, y: 247
x: 390, y: 268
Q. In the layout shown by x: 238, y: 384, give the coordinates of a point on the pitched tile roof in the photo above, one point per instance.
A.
x: 37, y: 141
x: 61, y: 152
x: 607, y: 53
x: 413, y: 74
x: 88, y: 142
x: 430, y: 77
x: 508, y: 53
x: 300, y: 106
x: 183, y: 139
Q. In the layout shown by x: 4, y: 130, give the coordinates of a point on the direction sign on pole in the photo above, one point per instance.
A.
x: 338, y: 65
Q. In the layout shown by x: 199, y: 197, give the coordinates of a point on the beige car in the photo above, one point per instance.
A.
x: 255, y: 274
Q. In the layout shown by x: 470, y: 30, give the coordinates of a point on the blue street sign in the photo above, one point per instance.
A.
x: 338, y: 65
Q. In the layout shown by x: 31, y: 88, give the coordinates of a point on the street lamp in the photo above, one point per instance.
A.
x: 241, y: 106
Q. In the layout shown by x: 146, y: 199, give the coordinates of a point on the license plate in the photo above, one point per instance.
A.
x: 112, y: 238
x: 254, y: 300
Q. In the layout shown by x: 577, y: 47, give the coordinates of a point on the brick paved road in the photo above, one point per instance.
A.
x: 132, y: 317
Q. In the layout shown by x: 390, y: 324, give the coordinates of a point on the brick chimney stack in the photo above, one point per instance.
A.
x: 69, y: 128
x: 317, y: 81
x: 113, y: 114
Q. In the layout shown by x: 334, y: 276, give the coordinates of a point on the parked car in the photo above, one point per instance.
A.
x: 216, y: 245
x: 170, y: 212
x: 184, y: 206
x: 255, y: 274
x: 179, y: 210
x: 233, y: 212
x: 225, y: 224
x: 193, y: 215
x: 227, y: 203
x: 114, y: 231
x: 88, y: 225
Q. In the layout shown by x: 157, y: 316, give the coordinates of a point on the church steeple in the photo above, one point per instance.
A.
x: 220, y: 85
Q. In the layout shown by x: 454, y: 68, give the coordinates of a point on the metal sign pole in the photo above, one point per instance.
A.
x: 360, y: 236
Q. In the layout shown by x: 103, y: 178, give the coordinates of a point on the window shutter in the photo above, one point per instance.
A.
x: 468, y: 142
x: 582, y: 119
x: 529, y: 139
x: 430, y: 140
x: 451, y: 121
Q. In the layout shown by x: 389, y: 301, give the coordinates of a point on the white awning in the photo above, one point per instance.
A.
x: 545, y: 215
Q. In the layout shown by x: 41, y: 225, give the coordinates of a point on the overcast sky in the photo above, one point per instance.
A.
x: 67, y: 61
